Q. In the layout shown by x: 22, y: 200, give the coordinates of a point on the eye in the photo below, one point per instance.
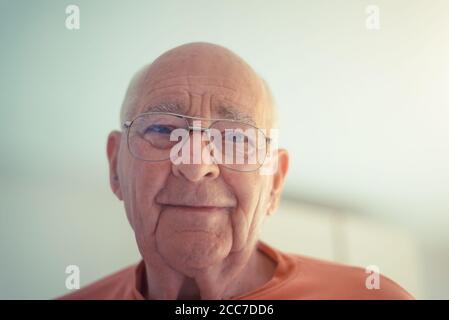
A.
x: 158, y: 129
x: 235, y: 137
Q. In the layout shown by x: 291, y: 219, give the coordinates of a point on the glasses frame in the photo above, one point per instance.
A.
x: 128, y: 123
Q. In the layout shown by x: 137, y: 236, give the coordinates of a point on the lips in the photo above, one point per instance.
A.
x: 179, y: 192
x: 196, y: 208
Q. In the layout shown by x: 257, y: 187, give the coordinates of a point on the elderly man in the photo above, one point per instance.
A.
x: 197, y: 223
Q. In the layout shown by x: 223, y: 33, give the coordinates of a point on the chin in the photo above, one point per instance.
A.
x: 192, y: 254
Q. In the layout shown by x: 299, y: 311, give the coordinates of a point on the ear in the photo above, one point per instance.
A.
x: 278, y: 180
x: 112, y: 150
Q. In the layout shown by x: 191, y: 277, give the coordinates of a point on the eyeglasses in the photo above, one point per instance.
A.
x: 159, y: 136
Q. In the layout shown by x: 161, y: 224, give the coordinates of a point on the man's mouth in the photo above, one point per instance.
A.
x: 197, y: 208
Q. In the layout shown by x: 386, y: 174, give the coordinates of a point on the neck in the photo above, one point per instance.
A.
x: 234, y: 277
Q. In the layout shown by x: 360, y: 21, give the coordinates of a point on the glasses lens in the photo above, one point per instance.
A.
x: 151, y: 136
x: 238, y: 146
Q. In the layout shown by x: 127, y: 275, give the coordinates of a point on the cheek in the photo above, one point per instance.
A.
x: 250, y: 190
x: 144, y: 181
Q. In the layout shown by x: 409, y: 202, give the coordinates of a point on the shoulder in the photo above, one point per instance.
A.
x: 113, y: 286
x: 339, y: 281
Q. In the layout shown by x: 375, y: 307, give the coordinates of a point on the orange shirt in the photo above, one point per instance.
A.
x: 295, y: 277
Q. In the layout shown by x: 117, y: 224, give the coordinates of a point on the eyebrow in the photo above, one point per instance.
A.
x: 230, y: 112
x: 165, y: 107
x: 225, y: 112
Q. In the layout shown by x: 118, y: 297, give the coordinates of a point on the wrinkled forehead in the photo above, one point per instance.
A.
x: 203, y: 96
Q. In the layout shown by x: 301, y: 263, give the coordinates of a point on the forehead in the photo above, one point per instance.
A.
x: 204, y: 96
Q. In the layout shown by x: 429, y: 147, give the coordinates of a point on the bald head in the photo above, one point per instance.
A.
x: 203, y: 61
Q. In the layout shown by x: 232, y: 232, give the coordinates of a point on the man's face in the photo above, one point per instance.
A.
x: 195, y: 215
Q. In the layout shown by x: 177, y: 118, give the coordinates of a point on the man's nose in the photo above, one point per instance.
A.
x: 201, y: 164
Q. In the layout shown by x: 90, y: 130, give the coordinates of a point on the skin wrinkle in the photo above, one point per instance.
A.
x: 156, y: 224
x: 248, y: 223
x: 151, y: 91
x: 190, y: 254
x: 180, y: 85
x: 226, y: 112
x: 146, y: 73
